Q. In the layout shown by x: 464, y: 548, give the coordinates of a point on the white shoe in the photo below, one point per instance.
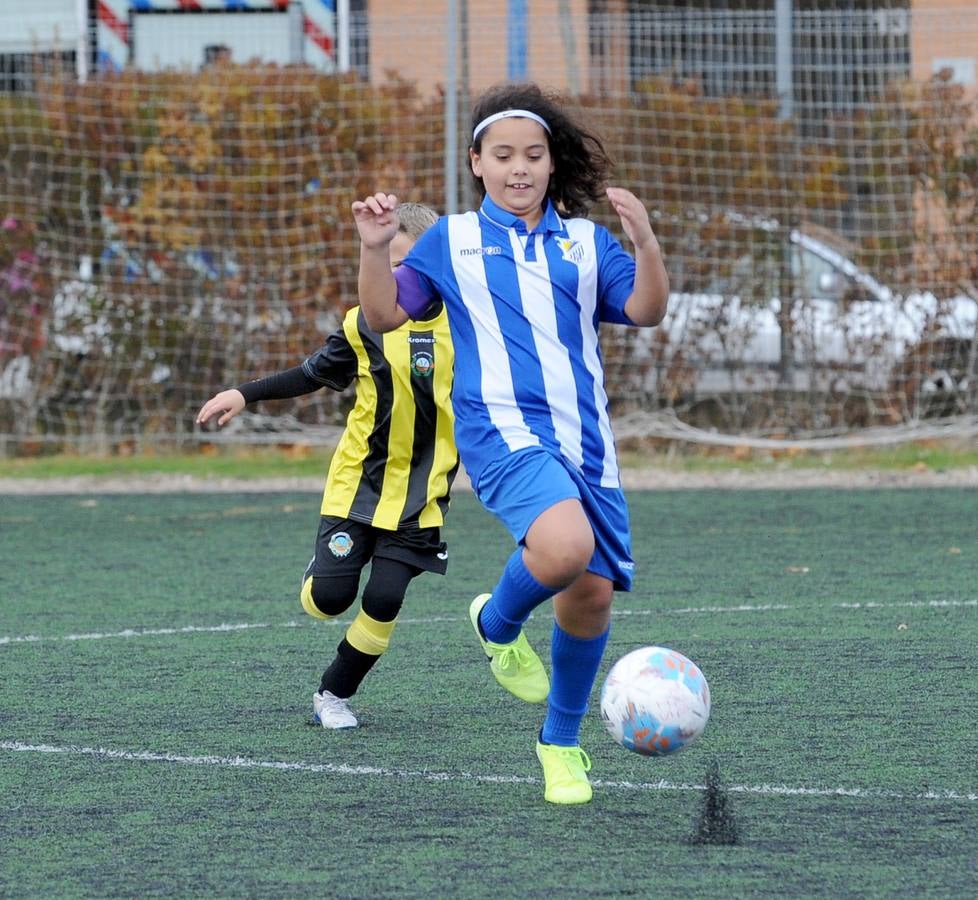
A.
x: 331, y: 711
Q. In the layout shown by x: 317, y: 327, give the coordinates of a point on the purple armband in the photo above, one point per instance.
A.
x: 411, y: 295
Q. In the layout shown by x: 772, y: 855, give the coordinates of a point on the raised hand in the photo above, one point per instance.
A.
x: 376, y: 218
x: 633, y: 215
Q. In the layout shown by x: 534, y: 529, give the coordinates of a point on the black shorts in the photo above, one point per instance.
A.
x: 344, y: 547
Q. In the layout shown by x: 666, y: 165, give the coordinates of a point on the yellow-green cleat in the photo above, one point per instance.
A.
x: 564, y: 774
x: 515, y: 665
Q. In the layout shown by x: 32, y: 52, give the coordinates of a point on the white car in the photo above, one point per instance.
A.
x: 845, y: 332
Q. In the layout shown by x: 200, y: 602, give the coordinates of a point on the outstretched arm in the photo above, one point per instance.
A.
x: 377, y: 222
x: 650, y: 297
x: 292, y: 382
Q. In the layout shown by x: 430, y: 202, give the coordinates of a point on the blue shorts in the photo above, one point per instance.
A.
x: 519, y: 487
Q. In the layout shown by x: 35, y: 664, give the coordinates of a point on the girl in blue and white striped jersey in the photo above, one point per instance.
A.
x: 527, y: 280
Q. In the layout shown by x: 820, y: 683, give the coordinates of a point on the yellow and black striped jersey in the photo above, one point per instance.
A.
x: 396, y: 461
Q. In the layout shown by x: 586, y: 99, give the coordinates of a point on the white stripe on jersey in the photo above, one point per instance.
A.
x: 558, y: 375
x: 587, y: 290
x: 498, y: 392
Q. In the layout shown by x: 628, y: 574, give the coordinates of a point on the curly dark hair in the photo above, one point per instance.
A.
x: 581, y: 165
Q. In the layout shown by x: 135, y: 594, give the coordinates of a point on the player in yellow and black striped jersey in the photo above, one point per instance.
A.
x: 387, y: 490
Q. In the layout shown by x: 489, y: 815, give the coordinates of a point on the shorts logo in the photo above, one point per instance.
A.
x: 573, y: 251
x: 626, y: 566
x: 443, y: 554
x: 422, y: 363
x: 340, y: 544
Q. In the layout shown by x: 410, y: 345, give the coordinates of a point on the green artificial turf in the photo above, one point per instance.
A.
x: 155, y: 735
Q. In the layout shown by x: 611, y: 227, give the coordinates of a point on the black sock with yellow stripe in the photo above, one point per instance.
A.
x: 365, y: 642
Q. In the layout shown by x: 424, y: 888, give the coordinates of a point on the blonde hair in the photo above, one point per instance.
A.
x: 415, y: 218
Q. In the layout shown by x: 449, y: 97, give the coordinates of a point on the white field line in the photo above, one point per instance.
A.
x: 143, y: 632
x: 433, y: 620
x: 243, y: 762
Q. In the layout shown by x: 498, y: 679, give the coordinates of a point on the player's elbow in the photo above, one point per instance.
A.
x: 381, y: 319
x: 655, y: 315
x: 379, y: 305
x: 649, y: 313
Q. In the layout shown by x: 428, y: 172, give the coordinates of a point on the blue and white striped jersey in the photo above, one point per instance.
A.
x: 524, y: 309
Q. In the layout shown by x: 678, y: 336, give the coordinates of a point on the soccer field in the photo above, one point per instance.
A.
x: 158, y: 671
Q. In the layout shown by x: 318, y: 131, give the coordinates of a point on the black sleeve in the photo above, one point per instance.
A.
x: 334, y: 364
x: 290, y: 383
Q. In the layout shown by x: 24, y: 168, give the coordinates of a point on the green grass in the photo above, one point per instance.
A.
x: 837, y: 630
x: 248, y: 463
x: 935, y: 455
x: 304, y: 461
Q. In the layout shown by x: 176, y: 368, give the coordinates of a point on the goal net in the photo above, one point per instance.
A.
x: 174, y: 206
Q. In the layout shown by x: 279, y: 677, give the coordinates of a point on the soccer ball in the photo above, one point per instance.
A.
x: 655, y: 701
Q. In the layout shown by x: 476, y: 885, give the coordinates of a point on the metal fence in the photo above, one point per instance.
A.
x: 176, y: 220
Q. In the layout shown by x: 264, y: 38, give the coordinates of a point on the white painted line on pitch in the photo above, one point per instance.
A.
x: 686, y: 610
x: 145, y: 632
x: 769, y: 607
x: 244, y: 762
x: 436, y: 620
x: 914, y: 604
x: 193, y: 629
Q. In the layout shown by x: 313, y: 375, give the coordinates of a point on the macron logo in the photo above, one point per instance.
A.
x: 480, y: 251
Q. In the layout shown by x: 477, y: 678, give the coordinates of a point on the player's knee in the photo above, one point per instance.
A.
x: 575, y: 554
x: 596, y: 605
x: 584, y: 608
x: 381, y: 602
x: 326, y: 598
x: 561, y: 563
x: 560, y: 544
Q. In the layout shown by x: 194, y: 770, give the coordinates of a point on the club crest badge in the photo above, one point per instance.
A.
x: 573, y: 251
x: 422, y: 363
x: 340, y: 544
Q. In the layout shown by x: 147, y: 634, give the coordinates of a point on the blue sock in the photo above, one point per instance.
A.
x: 513, y: 599
x: 575, y: 662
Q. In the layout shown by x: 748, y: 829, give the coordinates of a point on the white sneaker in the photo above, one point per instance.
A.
x: 331, y: 711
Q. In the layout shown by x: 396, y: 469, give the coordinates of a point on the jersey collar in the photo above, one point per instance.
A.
x: 550, y: 222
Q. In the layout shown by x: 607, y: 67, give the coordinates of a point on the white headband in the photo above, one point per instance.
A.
x: 509, y: 114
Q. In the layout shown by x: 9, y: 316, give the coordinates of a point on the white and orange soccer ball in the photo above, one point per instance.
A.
x: 655, y: 701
